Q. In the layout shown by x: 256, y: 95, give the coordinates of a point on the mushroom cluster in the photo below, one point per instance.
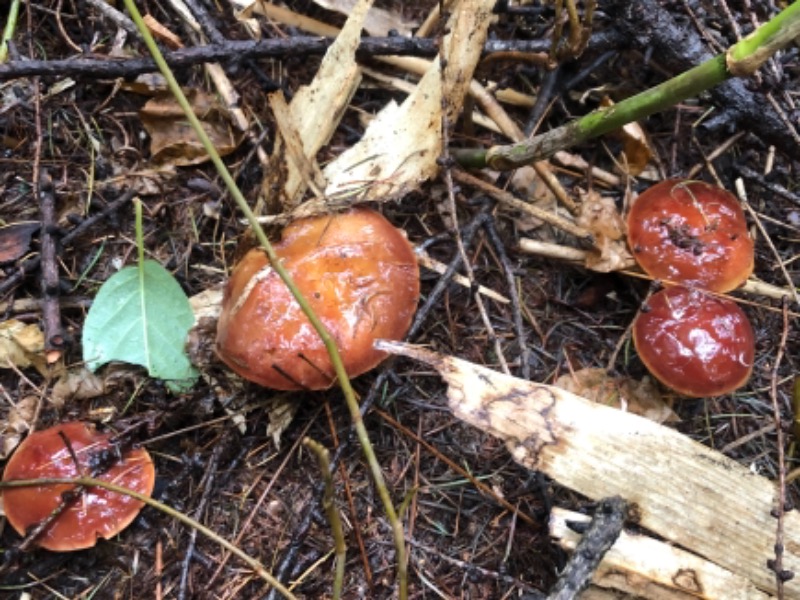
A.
x: 74, y: 519
x: 694, y: 237
x: 359, y: 275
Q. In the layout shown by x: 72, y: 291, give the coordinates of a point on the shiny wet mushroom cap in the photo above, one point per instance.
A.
x: 358, y: 273
x: 695, y: 343
x: 692, y: 233
x: 94, y: 512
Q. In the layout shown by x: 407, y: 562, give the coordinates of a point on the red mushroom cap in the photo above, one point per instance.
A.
x: 358, y: 273
x: 693, y: 233
x: 695, y: 343
x: 96, y: 512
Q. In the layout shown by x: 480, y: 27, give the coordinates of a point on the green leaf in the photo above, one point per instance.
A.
x: 141, y: 316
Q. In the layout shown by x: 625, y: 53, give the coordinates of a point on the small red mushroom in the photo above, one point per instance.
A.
x: 697, y: 344
x: 360, y: 276
x: 692, y: 233
x: 93, y: 513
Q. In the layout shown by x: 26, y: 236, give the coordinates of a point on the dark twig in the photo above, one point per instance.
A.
x: 779, y: 512
x: 207, y: 482
x: 543, y: 96
x: 33, y: 263
x: 513, y: 294
x: 51, y: 309
x: 775, y: 188
x: 602, y: 532
x: 238, y: 50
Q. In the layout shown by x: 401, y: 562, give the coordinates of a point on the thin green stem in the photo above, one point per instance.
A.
x: 330, y: 345
x: 8, y: 30
x: 746, y: 56
x: 139, y: 232
x: 741, y: 59
x: 89, y: 482
x: 329, y: 506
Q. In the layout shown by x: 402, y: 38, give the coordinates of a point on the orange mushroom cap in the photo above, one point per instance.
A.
x: 695, y: 343
x: 358, y: 273
x: 692, y: 233
x: 96, y: 512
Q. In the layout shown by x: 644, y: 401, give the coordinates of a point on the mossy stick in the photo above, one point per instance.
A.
x: 742, y: 59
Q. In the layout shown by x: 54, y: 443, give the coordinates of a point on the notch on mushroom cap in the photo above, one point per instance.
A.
x: 692, y: 233
x: 94, y: 513
x: 358, y: 273
x: 695, y: 343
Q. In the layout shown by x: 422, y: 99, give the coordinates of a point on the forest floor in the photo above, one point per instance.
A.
x: 216, y: 454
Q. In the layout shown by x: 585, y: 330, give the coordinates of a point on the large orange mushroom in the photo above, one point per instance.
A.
x: 360, y: 276
x: 72, y: 450
x: 692, y: 233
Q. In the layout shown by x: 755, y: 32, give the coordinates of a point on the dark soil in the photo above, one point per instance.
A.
x: 214, y: 457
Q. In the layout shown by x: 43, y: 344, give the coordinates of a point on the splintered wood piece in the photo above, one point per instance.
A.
x: 681, y: 490
x: 640, y: 565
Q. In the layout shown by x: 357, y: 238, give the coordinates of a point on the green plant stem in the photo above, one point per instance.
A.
x: 330, y: 345
x: 137, y: 204
x: 89, y: 482
x: 329, y: 506
x: 8, y: 30
x: 746, y: 56
x: 741, y: 59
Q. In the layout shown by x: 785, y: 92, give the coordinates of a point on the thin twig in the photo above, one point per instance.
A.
x: 54, y: 339
x: 207, y: 483
x: 779, y: 512
x: 236, y: 50
x: 602, y: 532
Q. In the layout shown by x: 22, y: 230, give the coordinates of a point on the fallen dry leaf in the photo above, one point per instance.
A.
x: 173, y: 141
x: 639, y: 397
x: 599, y: 215
x: 378, y: 23
x: 637, y: 152
x: 15, y: 240
x: 22, y: 346
x: 18, y: 420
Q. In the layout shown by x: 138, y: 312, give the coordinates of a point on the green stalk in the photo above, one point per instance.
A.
x: 8, y: 30
x: 89, y: 482
x: 742, y: 59
x: 329, y: 506
x: 330, y: 344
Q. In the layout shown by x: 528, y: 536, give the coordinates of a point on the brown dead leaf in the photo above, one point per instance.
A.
x: 639, y: 397
x: 172, y: 139
x: 22, y: 346
x: 281, y: 411
x: 162, y: 33
x: 81, y: 384
x: 146, y: 84
x: 637, y: 152
x: 18, y: 420
x: 600, y: 216
x: 15, y: 240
